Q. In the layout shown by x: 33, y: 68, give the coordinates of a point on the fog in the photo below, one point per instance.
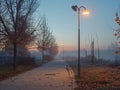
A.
x: 103, y: 54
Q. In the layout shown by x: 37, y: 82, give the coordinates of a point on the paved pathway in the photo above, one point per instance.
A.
x: 51, y: 76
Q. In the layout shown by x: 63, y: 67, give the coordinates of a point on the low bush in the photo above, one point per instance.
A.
x: 25, y: 61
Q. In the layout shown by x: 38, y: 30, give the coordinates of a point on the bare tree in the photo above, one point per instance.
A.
x: 45, y: 41
x: 15, y: 21
x: 53, y: 50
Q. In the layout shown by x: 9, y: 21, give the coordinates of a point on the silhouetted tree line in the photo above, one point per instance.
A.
x: 16, y: 27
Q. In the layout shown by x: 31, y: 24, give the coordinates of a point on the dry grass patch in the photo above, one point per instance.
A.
x: 98, y: 77
x: 7, y: 71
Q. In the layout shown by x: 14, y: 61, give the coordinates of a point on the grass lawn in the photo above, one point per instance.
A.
x: 7, y: 71
x: 97, y: 77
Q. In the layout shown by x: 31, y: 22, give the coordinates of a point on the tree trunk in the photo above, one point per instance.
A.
x: 15, y: 55
x: 42, y: 55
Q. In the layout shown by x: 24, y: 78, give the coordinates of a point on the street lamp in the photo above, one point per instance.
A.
x: 85, y: 12
x: 63, y: 51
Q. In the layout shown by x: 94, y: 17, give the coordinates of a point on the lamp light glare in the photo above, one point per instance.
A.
x: 85, y: 12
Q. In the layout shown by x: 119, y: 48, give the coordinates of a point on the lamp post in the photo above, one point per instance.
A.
x: 62, y: 51
x: 85, y: 11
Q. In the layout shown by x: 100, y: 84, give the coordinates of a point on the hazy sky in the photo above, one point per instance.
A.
x: 99, y: 25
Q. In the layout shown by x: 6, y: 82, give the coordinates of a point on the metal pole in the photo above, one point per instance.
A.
x: 78, y: 42
x: 75, y: 8
x: 63, y: 52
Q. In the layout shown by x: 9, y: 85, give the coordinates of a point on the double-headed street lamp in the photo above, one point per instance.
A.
x: 85, y: 12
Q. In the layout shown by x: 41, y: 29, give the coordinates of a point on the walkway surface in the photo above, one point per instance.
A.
x: 51, y: 76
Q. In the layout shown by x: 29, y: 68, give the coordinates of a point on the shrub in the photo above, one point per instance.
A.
x: 25, y: 61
